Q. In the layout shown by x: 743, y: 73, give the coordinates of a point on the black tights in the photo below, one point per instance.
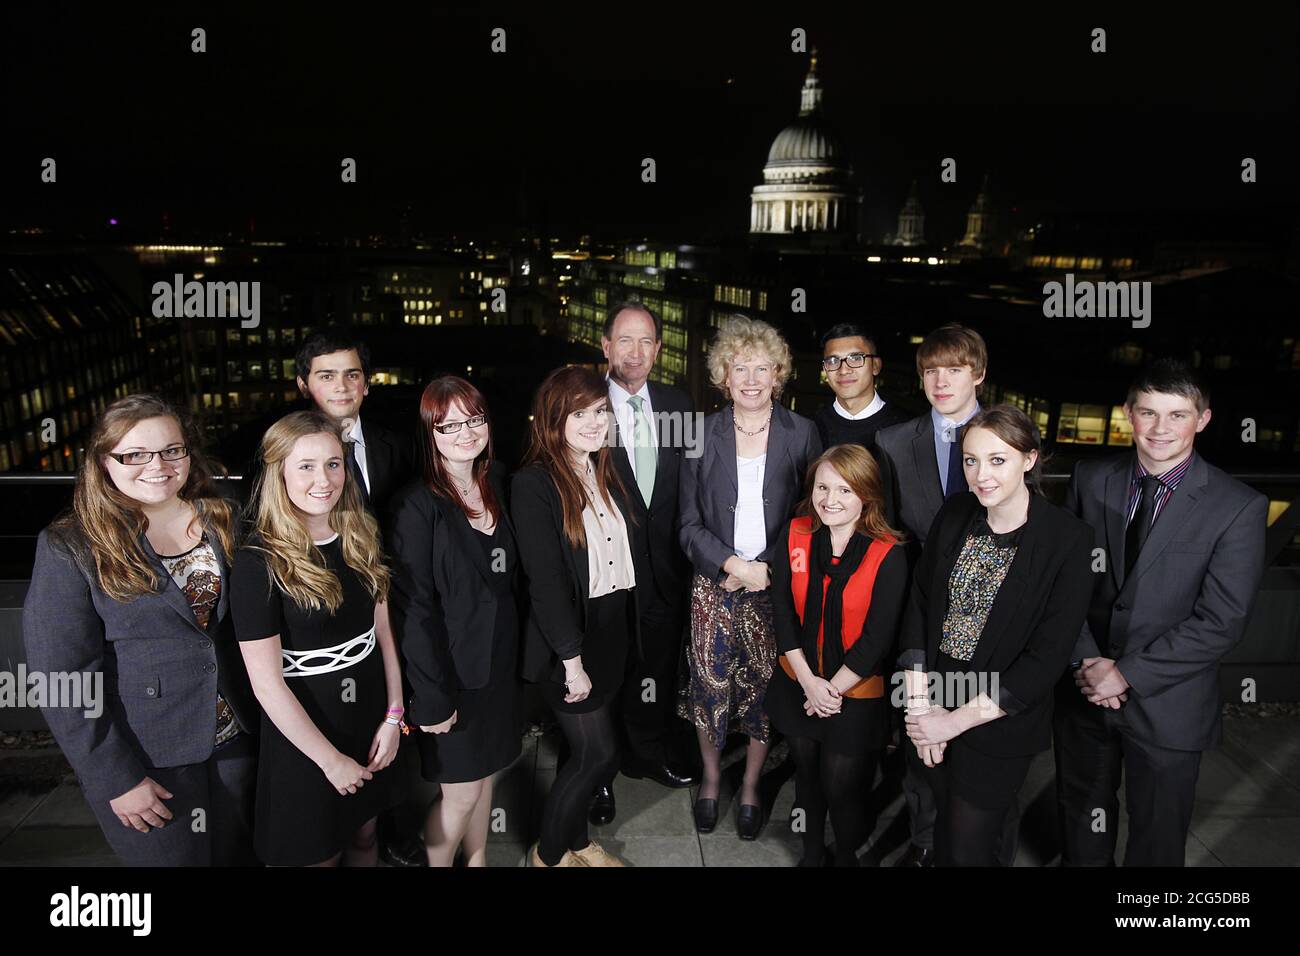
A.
x: 593, y: 759
x: 825, y: 780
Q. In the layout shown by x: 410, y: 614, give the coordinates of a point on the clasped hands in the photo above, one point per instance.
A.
x: 930, y: 728
x: 1100, y: 681
x: 750, y: 575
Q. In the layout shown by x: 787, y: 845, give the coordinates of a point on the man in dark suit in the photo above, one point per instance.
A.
x: 333, y: 371
x: 922, y: 460
x: 1180, y: 554
x: 653, y: 422
x: 858, y: 411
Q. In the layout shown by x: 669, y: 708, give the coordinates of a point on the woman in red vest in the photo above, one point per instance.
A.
x: 837, y: 601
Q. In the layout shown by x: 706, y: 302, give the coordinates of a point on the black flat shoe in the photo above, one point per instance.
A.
x: 661, y: 773
x: 749, y: 820
x: 602, y: 807
x: 409, y: 853
x: 915, y: 856
x: 706, y: 815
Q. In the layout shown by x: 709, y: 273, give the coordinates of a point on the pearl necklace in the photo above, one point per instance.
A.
x: 757, y: 431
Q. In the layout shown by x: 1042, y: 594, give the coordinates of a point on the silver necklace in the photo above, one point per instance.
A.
x: 757, y: 431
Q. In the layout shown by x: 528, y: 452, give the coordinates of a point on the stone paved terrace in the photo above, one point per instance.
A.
x: 1247, y: 812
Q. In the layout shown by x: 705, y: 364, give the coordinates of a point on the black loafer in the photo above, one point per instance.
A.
x: 602, y: 807
x: 706, y: 815
x: 403, y: 854
x: 749, y: 820
x: 661, y: 773
x: 915, y: 856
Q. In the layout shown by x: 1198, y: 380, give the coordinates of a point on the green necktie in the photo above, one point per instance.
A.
x: 643, y: 449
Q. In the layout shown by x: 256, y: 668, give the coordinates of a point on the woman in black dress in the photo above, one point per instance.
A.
x: 997, y: 602
x: 309, y: 597
x: 454, y: 613
x: 837, y: 598
x: 571, y: 514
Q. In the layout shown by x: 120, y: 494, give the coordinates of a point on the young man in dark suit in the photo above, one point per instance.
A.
x: 333, y: 370
x: 1183, y: 545
x: 922, y: 462
x: 333, y: 373
x: 650, y: 430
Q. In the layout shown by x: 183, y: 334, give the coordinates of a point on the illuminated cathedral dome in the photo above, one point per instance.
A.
x: 807, y: 182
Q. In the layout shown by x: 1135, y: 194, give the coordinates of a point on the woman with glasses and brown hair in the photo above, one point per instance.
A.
x: 455, y: 579
x: 130, y: 596
x: 311, y: 614
x: 838, y: 592
x: 572, y: 515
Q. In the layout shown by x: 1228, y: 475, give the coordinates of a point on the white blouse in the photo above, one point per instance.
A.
x: 750, y: 534
x: 609, y: 555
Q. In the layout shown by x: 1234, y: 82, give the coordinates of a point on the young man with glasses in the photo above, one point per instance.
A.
x: 852, y: 366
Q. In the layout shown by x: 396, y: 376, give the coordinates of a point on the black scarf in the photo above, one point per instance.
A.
x: 819, y: 567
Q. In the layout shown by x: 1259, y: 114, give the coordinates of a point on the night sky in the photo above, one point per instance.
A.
x: 550, y: 135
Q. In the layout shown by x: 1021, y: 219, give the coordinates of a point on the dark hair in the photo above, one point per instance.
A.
x: 323, y: 343
x: 1172, y: 377
x: 849, y: 330
x: 1015, y: 428
x: 618, y: 307
x: 438, y: 397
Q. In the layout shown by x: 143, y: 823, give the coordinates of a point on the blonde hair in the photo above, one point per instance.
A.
x: 295, y: 564
x: 738, y: 335
x: 104, y: 525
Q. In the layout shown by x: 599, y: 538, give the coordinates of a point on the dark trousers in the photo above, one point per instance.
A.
x: 918, y: 794
x: 212, y: 813
x: 1094, y: 747
x: 649, y: 698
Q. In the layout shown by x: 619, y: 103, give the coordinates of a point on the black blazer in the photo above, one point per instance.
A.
x: 655, y: 530
x: 389, y: 465
x: 909, y: 464
x: 161, y: 672
x: 1031, y: 628
x: 442, y: 605
x: 1168, y: 624
x: 709, y: 489
x: 557, y: 575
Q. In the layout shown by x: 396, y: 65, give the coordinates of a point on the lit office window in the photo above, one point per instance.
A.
x: 1081, y: 424
x: 1121, y: 432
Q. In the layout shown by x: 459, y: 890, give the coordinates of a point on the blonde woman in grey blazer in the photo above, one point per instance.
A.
x: 735, y: 498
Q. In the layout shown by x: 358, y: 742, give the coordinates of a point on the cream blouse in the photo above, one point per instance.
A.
x: 609, y: 554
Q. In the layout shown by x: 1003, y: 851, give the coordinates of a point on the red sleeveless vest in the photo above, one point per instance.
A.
x: 857, y: 597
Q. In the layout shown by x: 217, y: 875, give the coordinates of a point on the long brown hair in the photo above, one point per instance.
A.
x: 563, y: 392
x: 295, y: 563
x: 858, y: 468
x: 439, y: 395
x: 105, y: 526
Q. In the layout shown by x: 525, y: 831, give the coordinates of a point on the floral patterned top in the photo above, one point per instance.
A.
x: 197, y: 573
x: 973, y: 586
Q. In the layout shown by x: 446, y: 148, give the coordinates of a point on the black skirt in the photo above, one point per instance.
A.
x: 860, y: 728
x: 605, y: 648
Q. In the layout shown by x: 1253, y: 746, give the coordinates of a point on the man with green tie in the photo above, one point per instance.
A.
x: 649, y: 429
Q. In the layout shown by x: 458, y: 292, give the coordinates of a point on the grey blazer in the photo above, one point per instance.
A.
x: 709, y: 487
x: 160, y: 672
x: 1185, y: 605
x: 913, y: 470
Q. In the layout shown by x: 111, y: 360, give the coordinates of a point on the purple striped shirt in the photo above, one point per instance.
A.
x: 1168, y: 485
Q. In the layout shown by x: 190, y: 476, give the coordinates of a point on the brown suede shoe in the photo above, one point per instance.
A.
x: 593, y: 854
x: 569, y: 859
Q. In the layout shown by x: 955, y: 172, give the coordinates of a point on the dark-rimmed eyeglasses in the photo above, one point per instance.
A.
x: 450, y: 428
x: 175, y: 453
x: 852, y: 360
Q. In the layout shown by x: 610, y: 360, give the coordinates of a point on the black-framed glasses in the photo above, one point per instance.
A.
x: 450, y: 428
x: 175, y: 453
x: 852, y: 360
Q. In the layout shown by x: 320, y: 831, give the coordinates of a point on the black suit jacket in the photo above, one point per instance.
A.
x: 389, y: 465
x: 557, y: 574
x: 709, y: 487
x: 161, y: 671
x: 1169, y: 623
x: 1031, y: 628
x: 443, y: 608
x: 909, y: 464
x: 835, y: 429
x: 655, y: 530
